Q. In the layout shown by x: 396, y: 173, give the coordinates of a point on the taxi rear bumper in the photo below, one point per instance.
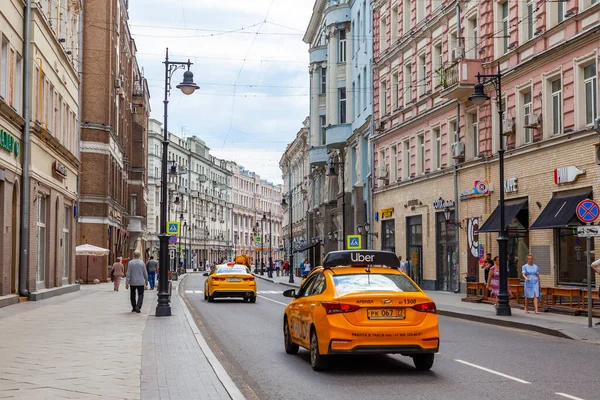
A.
x: 233, y: 293
x: 405, y: 350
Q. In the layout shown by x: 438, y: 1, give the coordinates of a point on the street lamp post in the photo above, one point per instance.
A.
x: 291, y: 255
x: 163, y: 307
x: 270, y: 267
x: 332, y: 173
x: 478, y: 98
x: 262, y: 253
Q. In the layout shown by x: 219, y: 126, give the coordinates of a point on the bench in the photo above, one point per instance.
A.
x: 584, y: 298
x: 476, y: 289
x: 559, y: 293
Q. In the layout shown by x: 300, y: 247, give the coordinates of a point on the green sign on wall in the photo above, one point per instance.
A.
x: 8, y: 143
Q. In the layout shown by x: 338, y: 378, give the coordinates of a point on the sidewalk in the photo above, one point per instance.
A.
x: 451, y: 305
x: 89, y: 345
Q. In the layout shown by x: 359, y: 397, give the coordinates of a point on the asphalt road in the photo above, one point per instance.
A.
x: 476, y: 361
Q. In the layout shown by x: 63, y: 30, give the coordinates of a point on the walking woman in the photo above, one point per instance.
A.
x: 531, y: 274
x: 493, y: 282
x: 117, y: 273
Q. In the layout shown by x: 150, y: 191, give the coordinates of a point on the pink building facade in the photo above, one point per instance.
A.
x: 435, y: 151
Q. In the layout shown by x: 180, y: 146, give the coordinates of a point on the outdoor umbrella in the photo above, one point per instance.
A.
x: 90, y: 250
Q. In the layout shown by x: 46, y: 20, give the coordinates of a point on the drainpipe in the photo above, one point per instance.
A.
x: 372, y: 167
x: 24, y: 239
x: 79, y: 116
x: 456, y: 218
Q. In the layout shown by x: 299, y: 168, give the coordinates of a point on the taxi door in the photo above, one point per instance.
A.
x: 298, y: 330
x: 307, y: 304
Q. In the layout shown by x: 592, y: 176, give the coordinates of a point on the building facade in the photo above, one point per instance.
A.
x: 113, y: 195
x: 54, y: 143
x: 436, y: 153
x: 295, y: 169
x: 199, y: 197
x: 257, y: 217
x: 340, y: 48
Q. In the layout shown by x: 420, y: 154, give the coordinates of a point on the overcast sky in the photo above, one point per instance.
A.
x: 246, y: 111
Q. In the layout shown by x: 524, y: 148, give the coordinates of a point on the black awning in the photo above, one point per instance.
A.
x: 511, y: 209
x: 560, y: 210
x: 307, y: 247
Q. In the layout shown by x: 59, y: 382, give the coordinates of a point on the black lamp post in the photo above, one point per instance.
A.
x: 270, y: 267
x: 332, y: 173
x: 291, y: 255
x: 478, y: 98
x: 163, y: 307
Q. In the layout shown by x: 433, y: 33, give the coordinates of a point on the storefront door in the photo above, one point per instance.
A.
x: 388, y: 240
x: 414, y: 247
x: 446, y: 256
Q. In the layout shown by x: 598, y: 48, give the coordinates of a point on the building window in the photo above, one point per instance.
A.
x: 366, y: 87
x: 66, y: 244
x: 133, y: 205
x: 472, y: 139
x: 406, y: 160
x: 452, y: 131
x: 394, y: 27
x: 323, y: 121
x: 382, y: 36
x: 473, y: 38
x: 41, y: 239
x: 388, y: 238
x: 590, y: 82
x: 407, y: 88
x: 437, y: 64
x: 358, y: 95
x: 342, y: 45
x: 395, y: 91
x: 527, y: 111
x: 18, y: 89
x: 530, y: 16
x: 394, y: 164
x: 323, y: 80
x: 405, y: 16
x: 505, y: 28
x: 4, y: 68
x: 342, y: 100
x: 382, y: 98
x: 556, y: 87
x: 421, y: 154
x: 420, y: 10
x: 437, y: 143
x: 421, y: 75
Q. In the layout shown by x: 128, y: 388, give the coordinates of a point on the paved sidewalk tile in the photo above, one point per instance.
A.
x: 173, y: 364
x: 82, y: 345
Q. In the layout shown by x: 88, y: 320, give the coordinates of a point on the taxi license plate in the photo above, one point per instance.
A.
x: 386, y: 313
x: 234, y: 280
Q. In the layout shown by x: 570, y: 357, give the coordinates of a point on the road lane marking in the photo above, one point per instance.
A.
x: 491, y: 371
x: 274, y: 301
x: 198, y: 291
x: 568, y: 396
x: 189, y: 291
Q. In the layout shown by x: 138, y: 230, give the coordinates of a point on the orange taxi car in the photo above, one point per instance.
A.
x: 230, y: 280
x: 358, y: 302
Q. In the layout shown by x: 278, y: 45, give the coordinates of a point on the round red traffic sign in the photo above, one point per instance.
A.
x: 587, y: 211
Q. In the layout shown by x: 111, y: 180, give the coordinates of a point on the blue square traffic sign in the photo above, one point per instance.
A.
x: 173, y: 228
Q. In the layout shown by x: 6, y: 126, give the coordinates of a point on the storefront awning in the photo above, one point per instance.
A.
x: 307, y: 247
x: 560, y: 210
x: 511, y: 209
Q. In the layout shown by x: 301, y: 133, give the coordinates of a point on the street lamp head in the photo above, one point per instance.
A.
x: 176, y: 200
x: 283, y: 203
x: 188, y: 86
x: 447, y: 213
x: 336, y: 235
x: 360, y: 229
x: 479, y: 97
x: 330, y: 235
x: 173, y: 171
x: 367, y: 227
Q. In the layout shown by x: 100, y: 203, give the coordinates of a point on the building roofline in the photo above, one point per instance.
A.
x: 315, y: 20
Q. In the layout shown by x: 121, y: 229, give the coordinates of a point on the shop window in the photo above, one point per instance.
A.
x: 66, y: 244
x: 388, y: 238
x: 572, y: 268
x: 41, y: 240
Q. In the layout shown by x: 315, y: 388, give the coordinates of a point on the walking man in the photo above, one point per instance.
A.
x: 137, y: 278
x: 151, y: 265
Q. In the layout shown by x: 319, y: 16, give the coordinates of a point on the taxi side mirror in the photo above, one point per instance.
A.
x: 290, y: 293
x: 205, y: 274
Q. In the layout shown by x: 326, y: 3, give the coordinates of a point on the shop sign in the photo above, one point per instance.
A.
x: 440, y: 204
x: 480, y: 188
x: 510, y: 185
x: 567, y: 174
x: 8, y: 143
x: 386, y: 212
x: 59, y: 169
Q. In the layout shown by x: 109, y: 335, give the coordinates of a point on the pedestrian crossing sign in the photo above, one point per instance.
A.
x: 257, y: 239
x: 354, y: 242
x: 173, y: 228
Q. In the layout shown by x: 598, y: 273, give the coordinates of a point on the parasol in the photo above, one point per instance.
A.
x: 90, y: 250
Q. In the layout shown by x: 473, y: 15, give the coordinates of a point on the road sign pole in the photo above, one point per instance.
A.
x: 589, y: 279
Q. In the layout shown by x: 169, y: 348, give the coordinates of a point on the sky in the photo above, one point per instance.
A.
x: 250, y: 63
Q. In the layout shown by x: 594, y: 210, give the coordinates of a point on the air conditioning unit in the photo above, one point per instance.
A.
x: 458, y: 150
x: 381, y: 173
x: 531, y: 120
x: 118, y: 83
x: 508, y: 127
x: 457, y: 53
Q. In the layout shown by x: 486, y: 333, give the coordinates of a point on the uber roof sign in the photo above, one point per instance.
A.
x: 360, y: 257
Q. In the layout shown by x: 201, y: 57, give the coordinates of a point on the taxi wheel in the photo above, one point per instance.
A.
x: 290, y: 347
x: 205, y: 295
x: 423, y: 362
x: 211, y: 298
x: 317, y: 361
x: 252, y: 299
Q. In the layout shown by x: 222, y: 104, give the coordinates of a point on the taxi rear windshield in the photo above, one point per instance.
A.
x: 360, y: 283
x: 230, y: 270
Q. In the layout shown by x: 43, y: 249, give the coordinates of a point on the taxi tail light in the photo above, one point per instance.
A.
x: 338, y: 308
x: 248, y: 279
x: 218, y: 279
x: 426, y: 307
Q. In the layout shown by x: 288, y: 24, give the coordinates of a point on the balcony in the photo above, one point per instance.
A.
x: 136, y: 224
x: 317, y: 155
x: 459, y: 78
x: 337, y: 135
